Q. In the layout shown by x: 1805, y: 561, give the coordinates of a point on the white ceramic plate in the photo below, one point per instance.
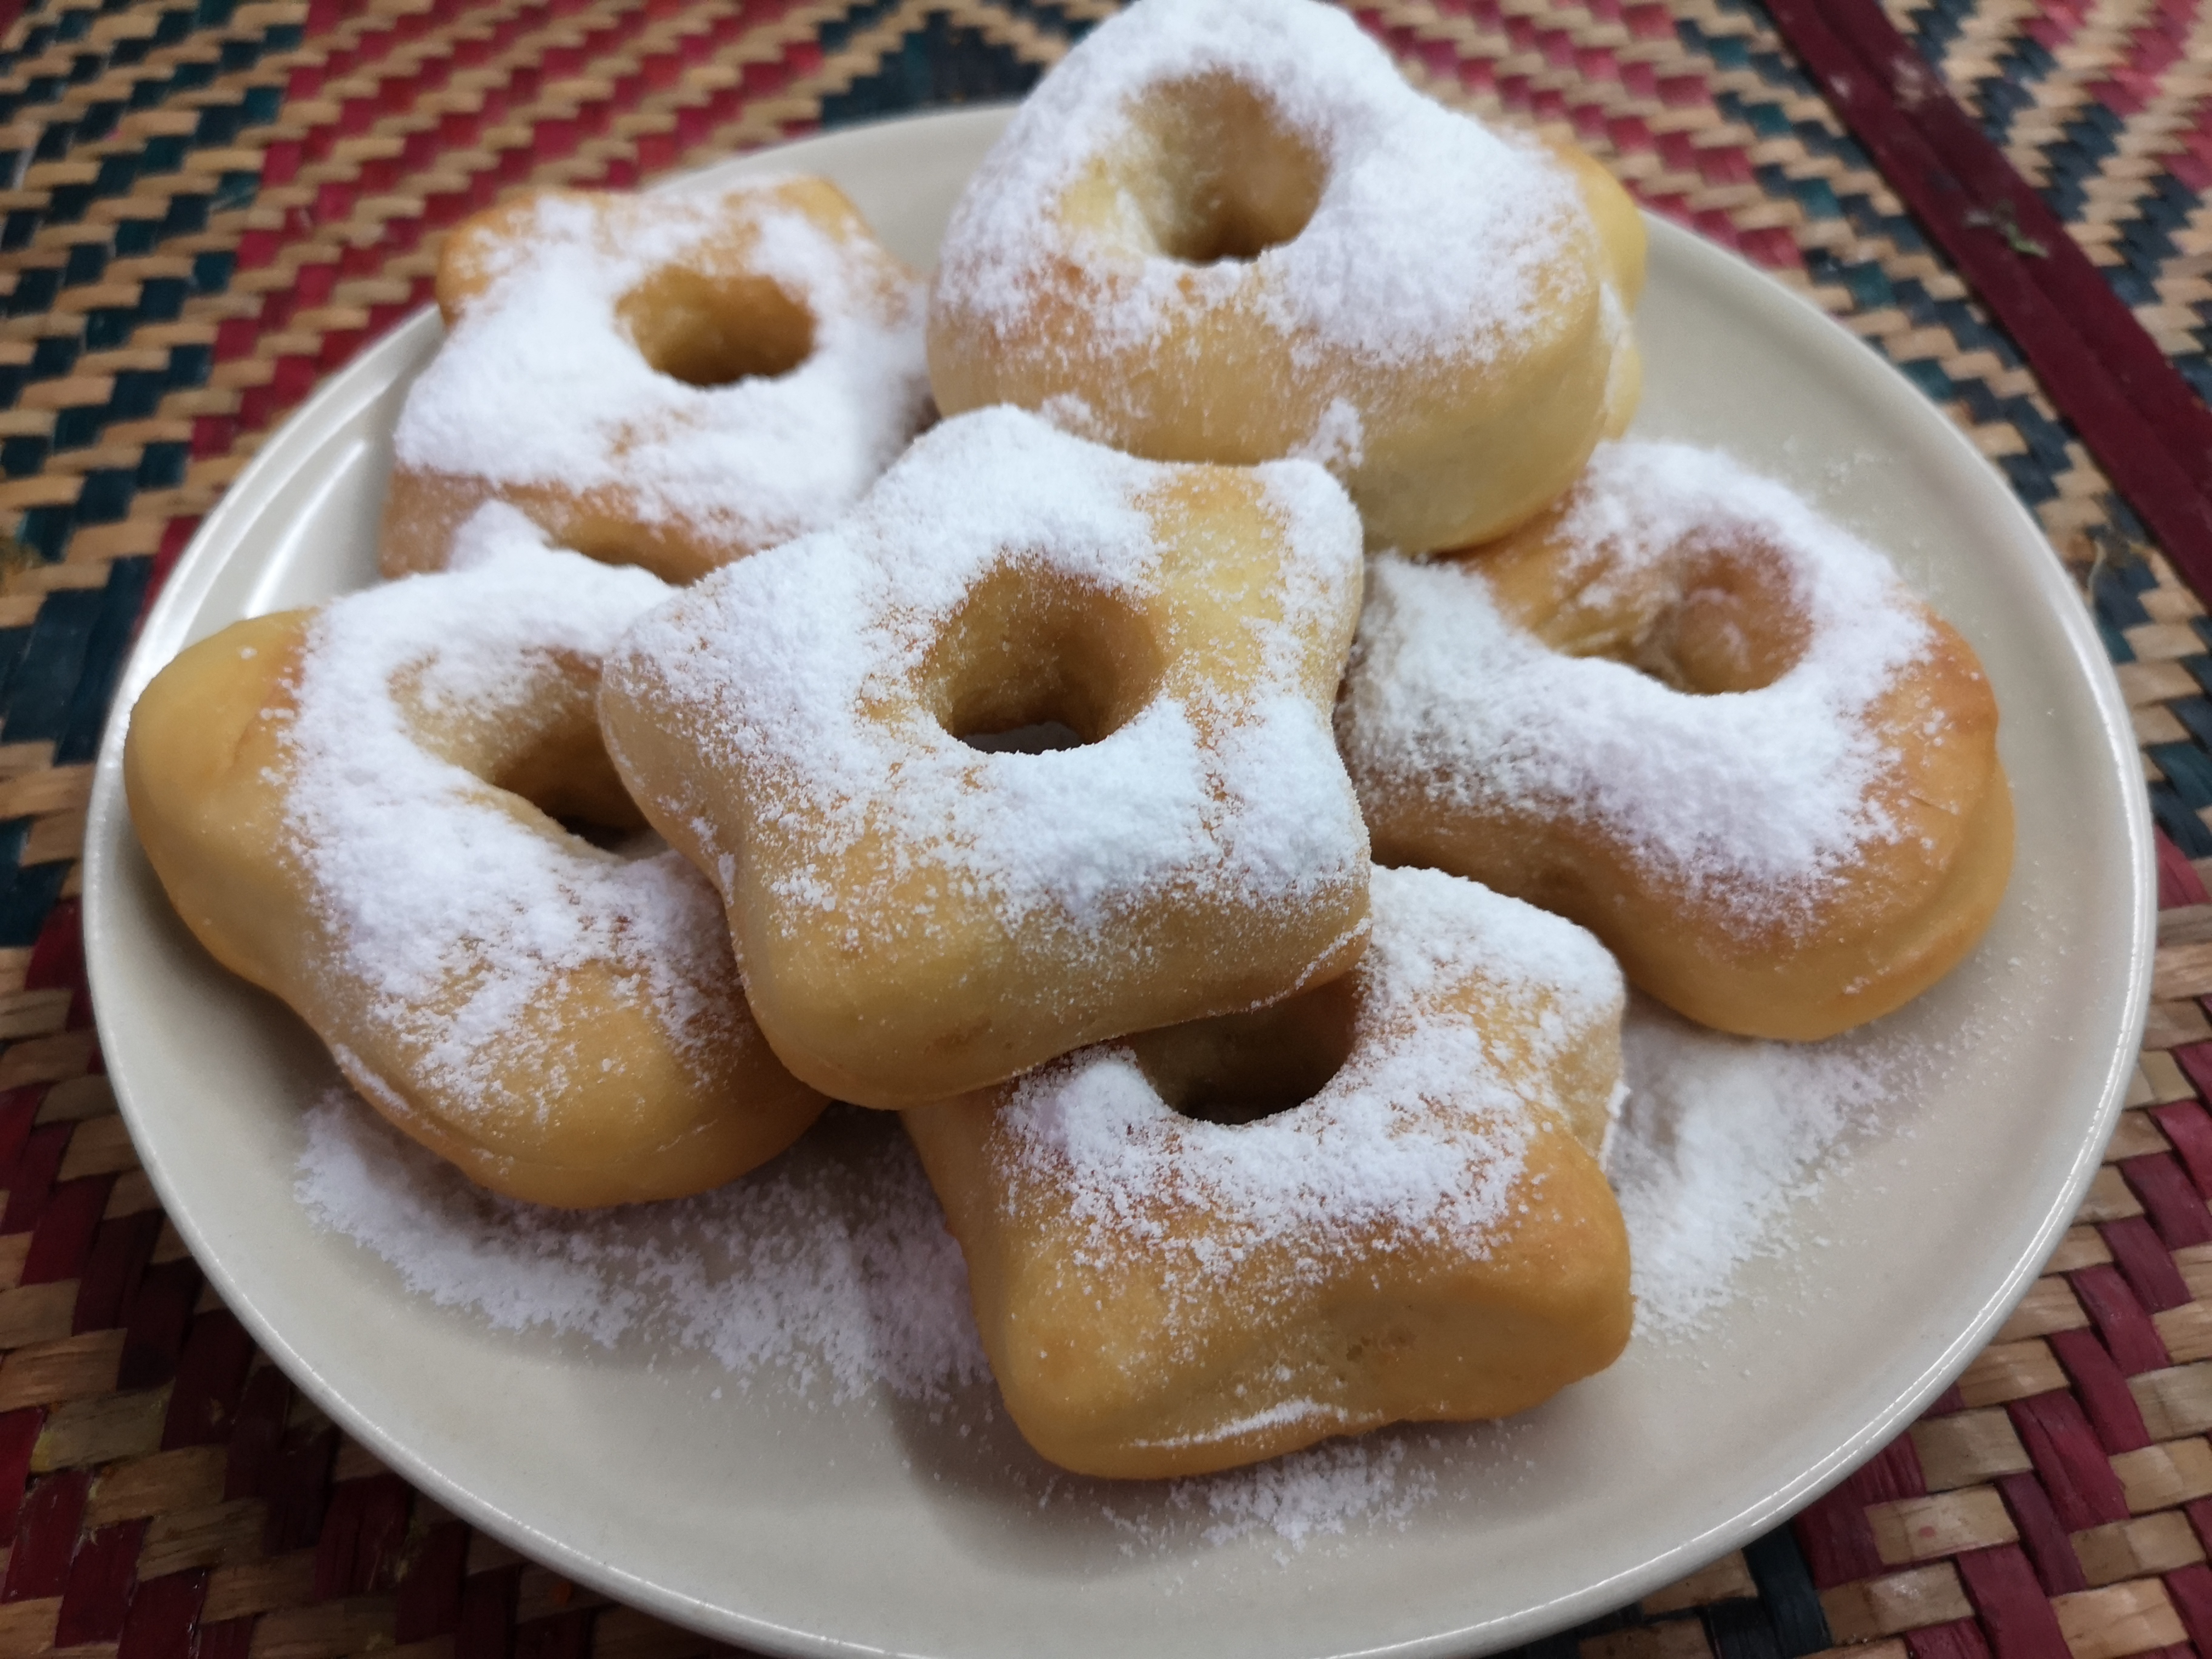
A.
x: 797, y: 1524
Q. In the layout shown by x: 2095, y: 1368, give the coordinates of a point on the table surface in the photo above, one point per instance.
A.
x: 216, y: 203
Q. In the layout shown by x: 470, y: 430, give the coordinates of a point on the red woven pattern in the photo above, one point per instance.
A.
x: 176, y: 1496
x: 2058, y: 1497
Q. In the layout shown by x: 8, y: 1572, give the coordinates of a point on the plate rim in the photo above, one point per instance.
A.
x: 164, y: 632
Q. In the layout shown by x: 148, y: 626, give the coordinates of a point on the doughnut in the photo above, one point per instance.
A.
x: 1379, y: 1200
x: 358, y: 808
x: 1687, y: 712
x: 672, y: 381
x: 1228, y: 231
x: 1621, y: 237
x: 922, y: 910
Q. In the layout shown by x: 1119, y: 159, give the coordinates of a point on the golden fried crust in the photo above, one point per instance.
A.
x: 208, y: 775
x: 1174, y: 1340
x: 1620, y: 233
x: 423, y: 510
x: 1620, y: 222
x: 1088, y: 1378
x: 203, y: 739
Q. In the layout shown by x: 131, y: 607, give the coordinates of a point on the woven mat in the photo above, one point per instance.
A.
x: 214, y: 203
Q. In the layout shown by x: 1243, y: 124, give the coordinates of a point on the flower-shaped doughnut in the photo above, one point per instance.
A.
x: 355, y: 808
x: 1173, y: 1274
x: 1689, y: 713
x: 1228, y: 230
x: 672, y: 380
x: 920, y: 915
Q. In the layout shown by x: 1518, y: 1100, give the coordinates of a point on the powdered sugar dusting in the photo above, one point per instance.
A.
x: 1423, y: 1130
x: 1721, y: 1137
x: 797, y: 670
x: 1301, y: 1498
x: 1338, y: 440
x: 453, y: 912
x: 1433, y: 234
x: 831, y: 1269
x: 540, y: 383
x: 1752, y: 801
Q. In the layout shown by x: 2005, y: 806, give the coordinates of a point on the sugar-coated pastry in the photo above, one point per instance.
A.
x: 1168, y: 1283
x: 1228, y: 230
x: 1621, y: 237
x: 1691, y: 713
x: 672, y: 381
x: 920, y: 915
x: 357, y: 808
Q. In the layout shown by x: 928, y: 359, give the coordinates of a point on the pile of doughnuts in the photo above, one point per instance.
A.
x: 1197, y: 707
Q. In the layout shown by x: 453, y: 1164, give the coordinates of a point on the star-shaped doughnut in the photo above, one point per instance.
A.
x: 923, y: 910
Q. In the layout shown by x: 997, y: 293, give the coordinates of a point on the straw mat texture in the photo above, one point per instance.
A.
x: 212, y: 203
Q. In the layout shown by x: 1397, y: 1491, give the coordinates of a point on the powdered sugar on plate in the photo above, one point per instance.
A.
x: 540, y: 382
x: 1432, y: 236
x: 1301, y: 1498
x: 1720, y: 1138
x: 1750, y: 801
x: 829, y: 1268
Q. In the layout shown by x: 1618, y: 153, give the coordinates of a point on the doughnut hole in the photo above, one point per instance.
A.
x: 1240, y: 1068
x: 1045, y: 738
x: 1704, y: 619
x: 1733, y: 627
x: 1218, y: 176
x: 545, y: 755
x: 1029, y: 663
x: 715, y: 328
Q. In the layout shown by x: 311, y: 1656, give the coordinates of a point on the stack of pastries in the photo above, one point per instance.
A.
x: 1197, y: 707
